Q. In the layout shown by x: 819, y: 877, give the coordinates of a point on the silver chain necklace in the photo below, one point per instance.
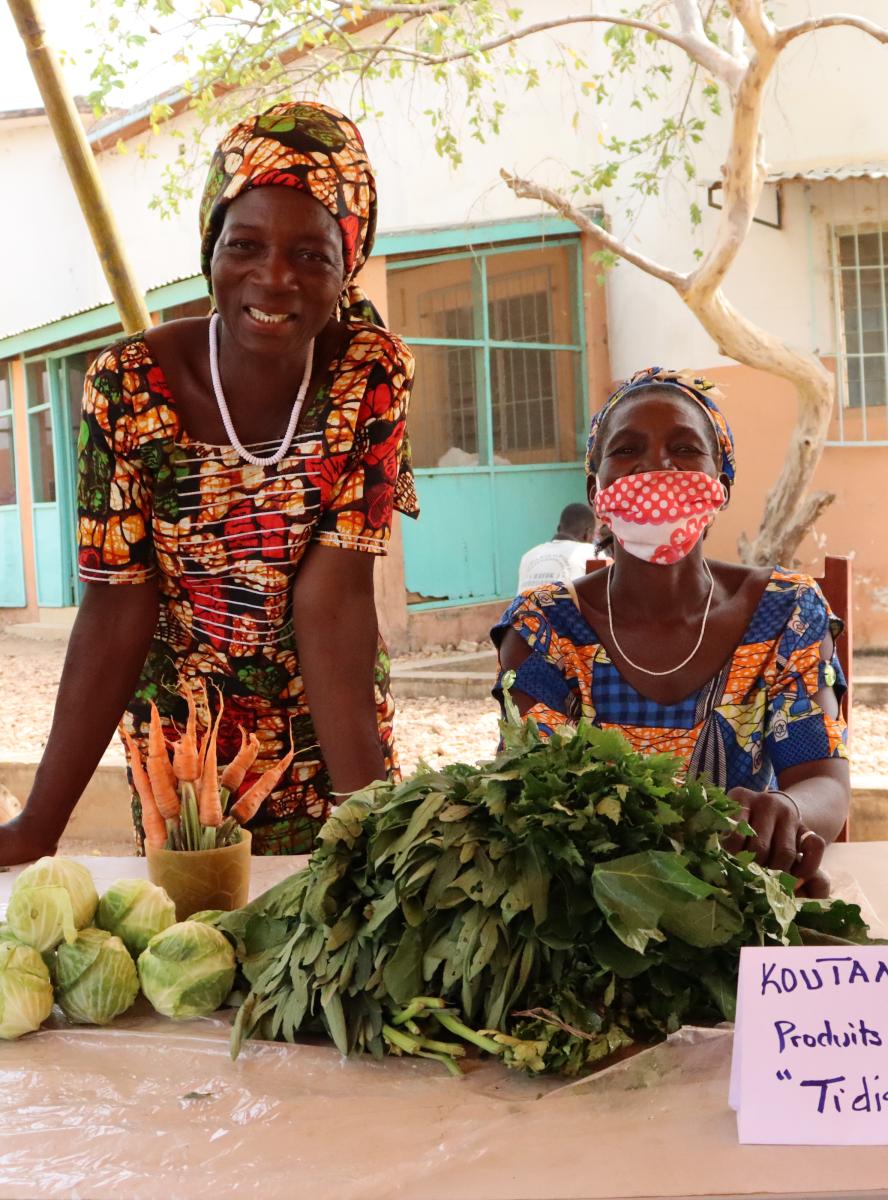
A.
x: 245, y: 454
x: 684, y: 662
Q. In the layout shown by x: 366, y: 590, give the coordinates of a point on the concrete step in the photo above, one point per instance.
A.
x: 871, y: 689
x: 455, y: 683
x: 54, y: 625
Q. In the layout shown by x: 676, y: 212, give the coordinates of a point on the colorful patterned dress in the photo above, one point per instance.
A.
x: 756, y: 718
x: 224, y: 540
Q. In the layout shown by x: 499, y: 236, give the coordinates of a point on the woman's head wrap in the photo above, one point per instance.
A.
x: 313, y: 148
x: 700, y: 390
x: 318, y: 150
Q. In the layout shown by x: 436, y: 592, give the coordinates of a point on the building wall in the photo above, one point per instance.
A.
x: 826, y: 107
x: 761, y: 411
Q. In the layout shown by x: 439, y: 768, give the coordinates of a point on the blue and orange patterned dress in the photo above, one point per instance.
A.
x: 757, y: 717
x: 224, y: 540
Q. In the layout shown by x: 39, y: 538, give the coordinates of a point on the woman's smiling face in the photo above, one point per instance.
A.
x: 277, y: 269
x: 656, y: 430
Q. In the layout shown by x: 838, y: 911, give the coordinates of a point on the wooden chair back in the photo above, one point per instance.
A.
x: 835, y: 583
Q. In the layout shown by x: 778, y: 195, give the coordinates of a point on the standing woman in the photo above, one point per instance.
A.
x: 237, y: 479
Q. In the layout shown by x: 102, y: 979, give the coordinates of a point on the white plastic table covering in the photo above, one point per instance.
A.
x: 152, y: 1108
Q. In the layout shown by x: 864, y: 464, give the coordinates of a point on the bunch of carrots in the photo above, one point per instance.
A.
x: 185, y: 800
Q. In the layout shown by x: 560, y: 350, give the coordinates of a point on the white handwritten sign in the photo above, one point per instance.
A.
x: 810, y: 1063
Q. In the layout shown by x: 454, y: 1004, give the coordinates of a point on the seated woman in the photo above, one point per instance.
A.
x: 731, y: 667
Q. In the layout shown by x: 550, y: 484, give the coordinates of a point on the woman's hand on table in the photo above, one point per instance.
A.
x: 782, y: 841
x: 21, y: 842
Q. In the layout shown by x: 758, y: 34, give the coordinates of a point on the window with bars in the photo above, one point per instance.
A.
x: 860, y: 286
x: 498, y: 379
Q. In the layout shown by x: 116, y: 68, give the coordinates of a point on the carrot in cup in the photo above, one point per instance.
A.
x: 152, y: 822
x: 160, y: 769
x: 248, y: 805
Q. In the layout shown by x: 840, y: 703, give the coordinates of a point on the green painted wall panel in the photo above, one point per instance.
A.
x: 527, y: 505
x: 12, y: 570
x: 52, y: 589
x: 447, y: 552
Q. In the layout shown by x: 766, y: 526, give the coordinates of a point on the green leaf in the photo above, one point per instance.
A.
x: 609, y: 807
x: 402, y: 974
x: 636, y: 891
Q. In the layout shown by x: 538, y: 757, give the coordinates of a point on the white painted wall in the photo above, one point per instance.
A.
x: 826, y: 107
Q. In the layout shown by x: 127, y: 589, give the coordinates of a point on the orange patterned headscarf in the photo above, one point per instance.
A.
x: 695, y: 387
x: 318, y: 150
x: 307, y: 146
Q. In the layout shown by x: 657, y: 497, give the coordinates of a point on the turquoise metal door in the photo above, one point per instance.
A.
x: 475, y: 525
x: 51, y: 507
x: 70, y: 374
x: 12, y: 567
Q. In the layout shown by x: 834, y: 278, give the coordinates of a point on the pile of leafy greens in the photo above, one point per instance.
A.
x: 568, y: 899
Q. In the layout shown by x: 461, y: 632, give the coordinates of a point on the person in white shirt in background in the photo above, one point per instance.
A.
x: 564, y: 558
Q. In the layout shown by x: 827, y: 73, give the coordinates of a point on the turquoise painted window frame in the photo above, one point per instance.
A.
x: 479, y: 256
x: 64, y: 462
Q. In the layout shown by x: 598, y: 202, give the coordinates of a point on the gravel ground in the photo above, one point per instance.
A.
x: 436, y: 730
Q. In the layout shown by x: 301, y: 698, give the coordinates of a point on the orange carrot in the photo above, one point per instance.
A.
x: 249, y: 803
x: 209, y: 801
x: 160, y: 770
x: 185, y: 760
x: 233, y: 775
x: 152, y: 821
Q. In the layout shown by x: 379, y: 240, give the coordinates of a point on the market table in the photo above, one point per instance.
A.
x: 151, y: 1107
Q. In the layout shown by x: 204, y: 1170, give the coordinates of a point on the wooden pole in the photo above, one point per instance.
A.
x: 81, y: 165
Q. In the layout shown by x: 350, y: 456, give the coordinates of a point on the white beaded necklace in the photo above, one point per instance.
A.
x: 245, y: 454
x: 684, y: 662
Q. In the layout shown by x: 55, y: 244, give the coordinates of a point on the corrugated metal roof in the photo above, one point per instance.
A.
x: 824, y: 174
x: 77, y: 312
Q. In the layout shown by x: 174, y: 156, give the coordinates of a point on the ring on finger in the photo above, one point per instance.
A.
x: 809, y: 833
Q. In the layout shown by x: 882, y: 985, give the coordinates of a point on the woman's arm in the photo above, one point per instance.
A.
x: 106, y: 652
x: 334, y: 619
x: 512, y: 653
x: 794, y: 825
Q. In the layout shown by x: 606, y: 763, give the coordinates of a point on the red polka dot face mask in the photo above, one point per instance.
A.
x: 659, y: 516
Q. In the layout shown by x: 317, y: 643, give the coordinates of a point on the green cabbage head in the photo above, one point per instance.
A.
x: 134, y: 910
x: 41, y: 917
x: 51, y: 900
x: 187, y: 970
x: 95, y: 978
x: 25, y: 990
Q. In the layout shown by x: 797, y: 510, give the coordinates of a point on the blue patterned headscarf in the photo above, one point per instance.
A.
x: 695, y: 387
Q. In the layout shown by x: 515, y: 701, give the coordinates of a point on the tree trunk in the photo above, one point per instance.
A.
x: 789, y: 510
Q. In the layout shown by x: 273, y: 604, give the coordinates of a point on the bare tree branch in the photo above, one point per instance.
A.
x: 737, y: 41
x: 739, y: 338
x: 526, y: 189
x: 744, y: 174
x: 779, y: 544
x: 403, y: 10
x: 700, y: 49
x: 790, y: 32
x: 725, y: 65
x: 757, y: 24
